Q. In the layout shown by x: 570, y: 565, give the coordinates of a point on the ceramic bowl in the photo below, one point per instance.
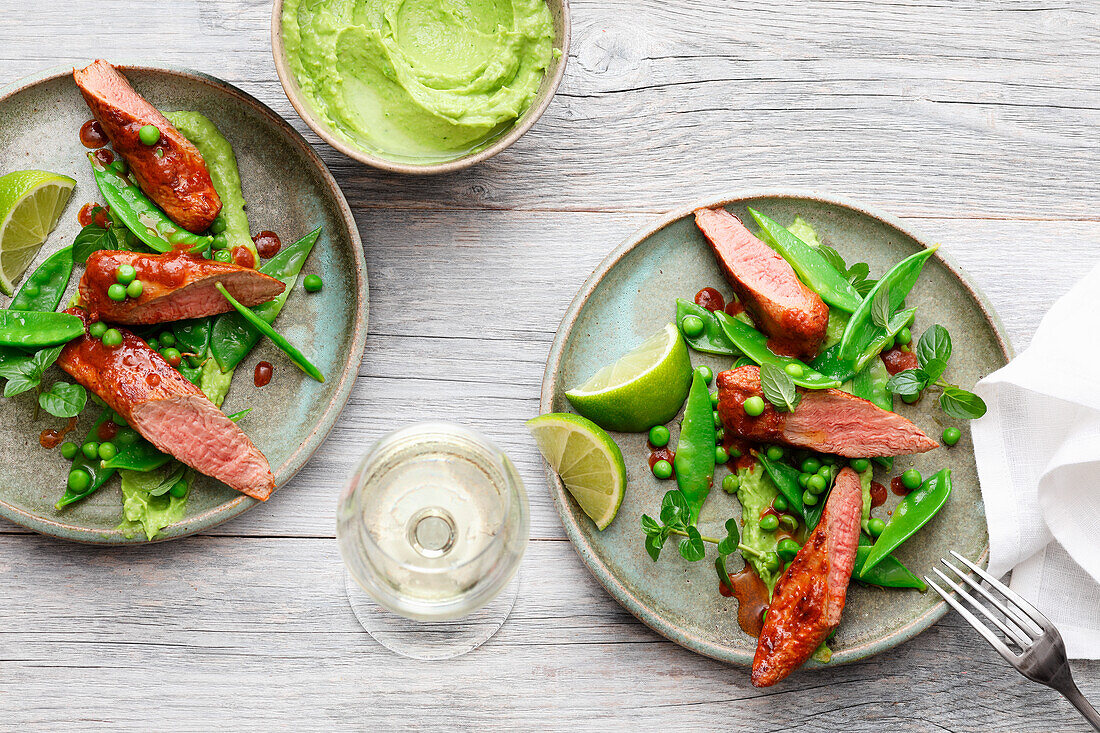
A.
x: 559, y: 11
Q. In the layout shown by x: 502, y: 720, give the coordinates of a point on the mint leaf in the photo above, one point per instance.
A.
x: 653, y: 545
x: 169, y: 481
x: 880, y: 307
x: 778, y: 387
x: 908, y: 383
x: 63, y: 399
x: 959, y: 403
x: 729, y: 543
x: 93, y: 238
x: 674, y: 508
x: 692, y: 548
x: 933, y: 350
x: 650, y: 525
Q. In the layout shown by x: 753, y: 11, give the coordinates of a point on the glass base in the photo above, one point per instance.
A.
x: 430, y: 640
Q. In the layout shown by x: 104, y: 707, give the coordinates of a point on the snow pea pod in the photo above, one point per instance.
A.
x: 279, y: 340
x: 140, y: 215
x: 193, y: 336
x: 755, y: 346
x: 832, y: 364
x: 232, y: 336
x: 812, y: 268
x: 712, y: 340
x: 93, y: 467
x: 870, y: 384
x: 37, y: 329
x: 912, y: 513
x: 898, y: 281
x: 45, y: 287
x: 694, y: 461
x: 889, y: 573
x: 785, y: 478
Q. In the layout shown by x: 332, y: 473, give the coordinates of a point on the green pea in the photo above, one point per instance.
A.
x: 692, y: 325
x: 787, y: 549
x: 717, y: 419
x: 910, y: 399
x: 875, y: 526
x: 149, y: 135
x: 809, y: 499
x: 97, y: 329
x: 223, y: 255
x: 951, y: 436
x: 734, y: 452
x: 31, y: 289
x: 107, y: 451
x: 769, y: 523
x: 69, y: 450
x: 658, y: 436
x: 221, y: 241
x: 811, y: 465
x: 79, y: 480
x: 179, y: 489
x: 816, y: 484
x: 731, y: 483
x: 112, y: 337
x: 911, y: 479
x: 754, y: 406
x: 795, y: 370
x: 118, y: 420
x: 780, y: 503
x: 125, y: 274
x: 889, y: 343
x: 825, y: 472
x: 171, y: 355
x: 775, y: 453
x: 904, y: 336
x: 720, y: 455
x: 90, y: 450
x: 117, y: 292
x: 135, y: 289
x: 860, y: 465
x: 771, y: 561
x: 313, y: 283
x: 167, y: 339
x: 713, y: 399
x: 218, y: 226
x: 803, y: 479
x: 704, y: 371
x: 662, y: 469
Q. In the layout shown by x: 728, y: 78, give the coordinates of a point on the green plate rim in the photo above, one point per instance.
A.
x: 190, y: 525
x: 628, y: 600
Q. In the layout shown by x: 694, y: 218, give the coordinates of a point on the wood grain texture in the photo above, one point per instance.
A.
x: 975, y: 121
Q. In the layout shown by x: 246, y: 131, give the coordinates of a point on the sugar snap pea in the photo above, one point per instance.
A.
x: 785, y: 478
x: 140, y: 215
x: 914, y: 511
x: 870, y: 384
x: 232, y: 336
x: 712, y: 340
x: 832, y: 364
x: 92, y: 466
x: 812, y: 268
x: 44, y: 288
x: 279, y: 340
x: 37, y: 329
x: 755, y: 346
x: 888, y: 573
x: 694, y: 461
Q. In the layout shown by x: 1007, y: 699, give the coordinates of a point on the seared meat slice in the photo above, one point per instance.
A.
x: 808, y: 599
x: 167, y: 410
x: 175, y: 286
x: 178, y: 180
x: 794, y: 316
x: 826, y: 420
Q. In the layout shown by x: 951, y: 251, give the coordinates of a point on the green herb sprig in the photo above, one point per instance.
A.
x: 778, y: 387
x: 933, y: 352
x: 674, y: 521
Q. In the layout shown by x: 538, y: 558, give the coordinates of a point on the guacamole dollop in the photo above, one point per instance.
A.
x: 418, y: 80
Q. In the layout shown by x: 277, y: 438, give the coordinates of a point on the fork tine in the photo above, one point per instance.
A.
x: 1040, y: 621
x: 1018, y: 623
x: 981, y: 628
x: 1023, y: 641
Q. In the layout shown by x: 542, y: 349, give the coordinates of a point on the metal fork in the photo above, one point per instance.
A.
x: 1042, y: 656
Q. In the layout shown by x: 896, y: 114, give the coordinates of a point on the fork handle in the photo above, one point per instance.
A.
x: 1071, y: 693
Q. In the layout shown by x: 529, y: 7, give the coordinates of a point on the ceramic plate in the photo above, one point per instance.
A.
x: 290, y: 192
x: 632, y: 294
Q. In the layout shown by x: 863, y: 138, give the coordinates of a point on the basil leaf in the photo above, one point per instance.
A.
x: 653, y: 545
x: 63, y: 399
x: 933, y: 350
x: 93, y: 238
x: 959, y: 403
x: 169, y: 481
x: 691, y: 547
x: 650, y: 525
x: 908, y: 383
x: 880, y: 308
x: 778, y: 387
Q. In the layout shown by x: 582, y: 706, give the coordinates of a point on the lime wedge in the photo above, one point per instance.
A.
x: 587, y: 459
x: 31, y: 203
x: 645, y: 387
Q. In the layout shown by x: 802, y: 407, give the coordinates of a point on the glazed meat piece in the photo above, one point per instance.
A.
x: 826, y: 420
x: 794, y: 316
x: 175, y: 286
x: 808, y: 599
x: 167, y: 410
x: 177, y: 180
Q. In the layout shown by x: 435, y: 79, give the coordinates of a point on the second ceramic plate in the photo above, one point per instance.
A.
x: 632, y: 294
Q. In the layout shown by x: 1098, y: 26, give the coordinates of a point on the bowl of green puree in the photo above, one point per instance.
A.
x: 420, y: 86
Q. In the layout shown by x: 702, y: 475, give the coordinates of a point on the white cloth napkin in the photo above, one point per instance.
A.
x: 1038, y: 454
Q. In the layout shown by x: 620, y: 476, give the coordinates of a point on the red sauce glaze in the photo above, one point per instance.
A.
x: 898, y: 487
x: 262, y: 376
x: 662, y: 454
x: 733, y: 308
x: 93, y: 213
x: 878, y: 494
x: 897, y: 360
x: 243, y: 256
x: 152, y: 380
x: 106, y: 431
x: 736, y: 386
x: 710, y: 299
x: 752, y: 599
x: 92, y: 135
x: 268, y: 244
x: 50, y: 439
x: 104, y: 156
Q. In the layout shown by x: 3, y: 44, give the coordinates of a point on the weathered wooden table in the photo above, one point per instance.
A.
x: 975, y: 121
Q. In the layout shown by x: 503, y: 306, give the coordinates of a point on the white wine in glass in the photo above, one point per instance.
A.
x: 432, y: 526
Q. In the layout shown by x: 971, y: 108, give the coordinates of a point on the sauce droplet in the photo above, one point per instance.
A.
x: 243, y: 256
x: 898, y: 487
x: 93, y: 212
x: 897, y: 360
x: 268, y: 244
x: 710, y: 299
x: 51, y: 438
x: 878, y: 494
x: 104, y: 156
x: 262, y: 376
x: 92, y: 136
x: 662, y: 454
x: 152, y: 380
x: 106, y: 431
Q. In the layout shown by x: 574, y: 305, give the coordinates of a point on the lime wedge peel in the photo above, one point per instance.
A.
x: 586, y: 458
x: 31, y: 203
